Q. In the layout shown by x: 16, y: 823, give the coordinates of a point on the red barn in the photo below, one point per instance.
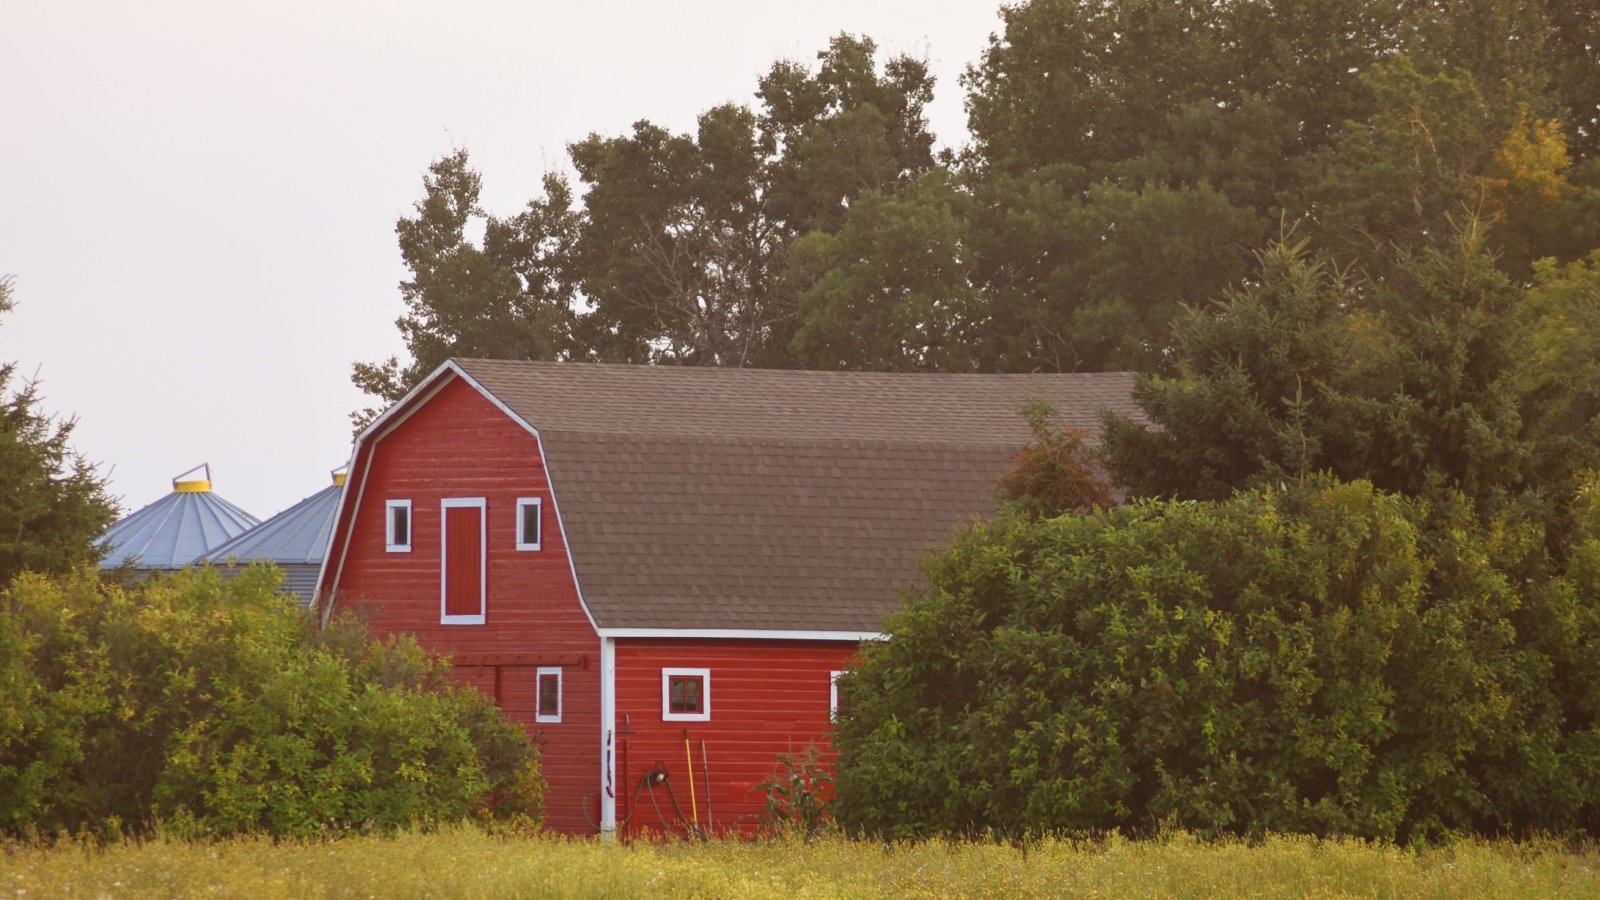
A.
x: 659, y: 569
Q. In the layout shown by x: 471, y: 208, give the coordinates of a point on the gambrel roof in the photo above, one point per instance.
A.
x: 701, y: 498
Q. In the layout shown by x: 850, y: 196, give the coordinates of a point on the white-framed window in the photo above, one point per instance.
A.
x: 530, y: 518
x: 463, y: 561
x: 547, y: 694
x: 397, y: 526
x: 686, y: 695
x: 833, y: 695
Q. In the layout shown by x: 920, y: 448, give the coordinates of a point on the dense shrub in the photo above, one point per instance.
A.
x: 1053, y: 473
x: 218, y: 706
x: 1323, y: 659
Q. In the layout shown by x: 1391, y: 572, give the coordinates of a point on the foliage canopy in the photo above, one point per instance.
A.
x: 218, y: 707
x: 1327, y: 659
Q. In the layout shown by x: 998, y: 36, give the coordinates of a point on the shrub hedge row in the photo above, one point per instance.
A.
x: 1322, y: 658
x: 217, y: 706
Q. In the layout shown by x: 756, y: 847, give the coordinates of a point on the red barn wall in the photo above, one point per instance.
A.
x: 767, y: 697
x: 458, y: 444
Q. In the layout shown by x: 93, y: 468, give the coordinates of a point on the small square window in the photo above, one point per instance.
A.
x: 548, y: 680
x: 530, y: 512
x: 686, y: 695
x: 397, y: 526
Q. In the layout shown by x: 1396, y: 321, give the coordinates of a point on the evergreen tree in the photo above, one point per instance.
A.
x: 53, y: 502
x: 1409, y: 382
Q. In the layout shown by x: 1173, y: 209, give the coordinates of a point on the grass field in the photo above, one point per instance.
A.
x: 468, y: 863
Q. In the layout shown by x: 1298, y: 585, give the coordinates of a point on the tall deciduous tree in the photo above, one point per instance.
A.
x: 53, y: 502
x: 1089, y: 280
x: 892, y: 289
x: 846, y: 129
x: 677, y: 250
x: 510, y: 298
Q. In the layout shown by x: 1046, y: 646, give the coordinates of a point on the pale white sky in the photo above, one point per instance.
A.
x: 197, y: 199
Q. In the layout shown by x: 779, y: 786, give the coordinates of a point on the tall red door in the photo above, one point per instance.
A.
x: 463, y: 561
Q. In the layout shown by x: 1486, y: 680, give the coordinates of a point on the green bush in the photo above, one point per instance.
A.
x: 217, y: 706
x: 1324, y: 659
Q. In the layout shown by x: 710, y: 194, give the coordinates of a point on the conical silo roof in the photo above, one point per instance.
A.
x: 299, y: 534
x: 176, y: 530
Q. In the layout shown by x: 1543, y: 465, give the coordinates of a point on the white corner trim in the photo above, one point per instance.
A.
x: 523, y: 503
x: 608, y: 727
x: 539, y: 675
x: 482, y: 505
x: 761, y: 634
x: 667, y: 715
x: 389, y: 543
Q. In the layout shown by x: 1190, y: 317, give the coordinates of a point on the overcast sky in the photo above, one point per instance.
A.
x: 197, y: 199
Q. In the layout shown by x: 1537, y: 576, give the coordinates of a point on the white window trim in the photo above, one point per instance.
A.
x: 667, y: 715
x: 538, y: 677
x: 388, y: 526
x: 833, y: 695
x: 482, y: 505
x: 524, y: 503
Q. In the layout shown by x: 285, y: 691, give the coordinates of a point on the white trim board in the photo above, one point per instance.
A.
x: 669, y: 673
x: 390, y: 545
x: 481, y: 504
x: 524, y: 503
x: 539, y: 674
x: 608, y: 728
x: 762, y: 634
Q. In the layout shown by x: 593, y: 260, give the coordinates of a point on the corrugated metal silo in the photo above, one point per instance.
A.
x: 176, y: 530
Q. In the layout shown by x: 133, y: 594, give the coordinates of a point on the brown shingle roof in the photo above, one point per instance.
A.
x: 768, y: 499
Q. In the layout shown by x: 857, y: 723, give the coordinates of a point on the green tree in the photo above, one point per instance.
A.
x: 892, y: 289
x: 217, y: 706
x: 1090, y: 280
x: 53, y: 502
x: 677, y: 250
x: 685, y: 249
x: 510, y: 298
x: 1560, y: 373
x: 1410, y: 382
x: 1086, y: 81
x: 848, y: 128
x: 1435, y: 147
x: 1326, y: 659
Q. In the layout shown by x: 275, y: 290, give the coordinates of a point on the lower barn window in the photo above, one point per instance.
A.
x: 548, y: 680
x: 686, y: 695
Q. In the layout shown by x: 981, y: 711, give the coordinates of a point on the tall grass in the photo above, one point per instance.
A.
x: 465, y: 862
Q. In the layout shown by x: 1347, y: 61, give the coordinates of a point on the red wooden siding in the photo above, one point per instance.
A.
x: 458, y: 444
x: 766, y: 698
